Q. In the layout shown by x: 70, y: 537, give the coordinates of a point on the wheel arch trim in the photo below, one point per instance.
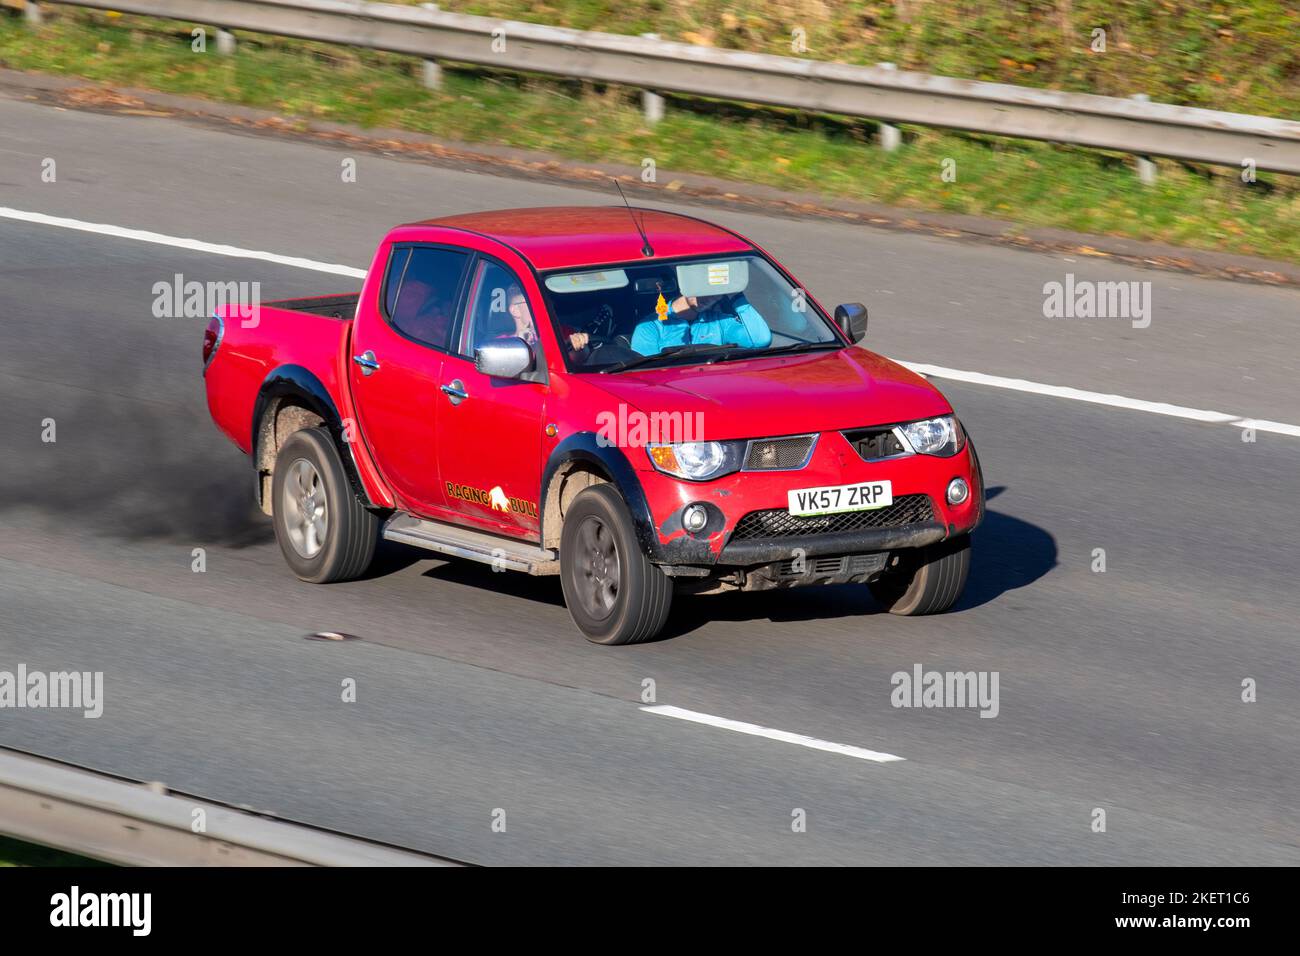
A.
x: 585, y: 448
x: 303, y: 387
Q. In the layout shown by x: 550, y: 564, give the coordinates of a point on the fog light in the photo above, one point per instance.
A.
x: 958, y: 491
x: 694, y: 518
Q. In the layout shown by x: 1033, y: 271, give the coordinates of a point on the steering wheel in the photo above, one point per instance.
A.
x: 604, y: 324
x: 609, y: 351
x: 601, y: 336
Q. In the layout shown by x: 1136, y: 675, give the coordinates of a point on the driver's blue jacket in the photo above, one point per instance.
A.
x: 737, y: 323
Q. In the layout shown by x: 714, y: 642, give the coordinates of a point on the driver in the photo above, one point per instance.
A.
x: 702, y: 320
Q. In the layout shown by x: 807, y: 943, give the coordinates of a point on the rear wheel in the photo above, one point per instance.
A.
x: 926, y: 580
x: 613, y: 592
x: 324, y: 532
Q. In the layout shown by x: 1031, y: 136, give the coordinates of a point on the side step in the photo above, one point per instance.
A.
x: 505, y: 553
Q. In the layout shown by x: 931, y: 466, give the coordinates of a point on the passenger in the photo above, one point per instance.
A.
x: 522, y: 316
x: 702, y: 320
x: 419, y: 312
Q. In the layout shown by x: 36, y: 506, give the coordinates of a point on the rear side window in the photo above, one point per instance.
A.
x: 396, y: 269
x: 420, y: 294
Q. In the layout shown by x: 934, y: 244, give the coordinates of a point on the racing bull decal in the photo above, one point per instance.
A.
x: 495, y: 499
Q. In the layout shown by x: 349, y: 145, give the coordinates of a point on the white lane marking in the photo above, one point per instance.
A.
x: 1280, y: 428
x: 956, y: 375
x: 784, y: 736
x: 1101, y: 398
x: 179, y: 242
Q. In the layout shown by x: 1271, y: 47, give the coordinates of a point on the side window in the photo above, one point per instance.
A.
x: 497, y: 308
x: 421, y: 298
x: 396, y: 269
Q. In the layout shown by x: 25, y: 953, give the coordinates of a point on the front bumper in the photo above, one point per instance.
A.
x: 763, y: 550
x: 747, y: 504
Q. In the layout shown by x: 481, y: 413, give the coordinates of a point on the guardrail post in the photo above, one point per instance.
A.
x: 431, y: 73
x: 225, y: 42
x: 891, y: 137
x: 652, y: 104
x: 32, y: 13
x: 1145, y: 167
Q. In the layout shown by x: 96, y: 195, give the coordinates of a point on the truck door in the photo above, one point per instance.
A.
x: 398, y: 348
x: 490, y: 429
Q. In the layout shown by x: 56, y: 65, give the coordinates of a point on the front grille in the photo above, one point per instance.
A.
x: 779, y: 523
x: 778, y: 454
x: 872, y: 444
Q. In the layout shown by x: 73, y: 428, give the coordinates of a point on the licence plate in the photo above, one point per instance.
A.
x: 833, y: 499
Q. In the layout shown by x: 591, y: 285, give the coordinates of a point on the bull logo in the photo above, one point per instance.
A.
x: 499, y: 500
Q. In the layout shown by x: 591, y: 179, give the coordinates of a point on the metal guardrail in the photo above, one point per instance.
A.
x: 108, y: 818
x: 892, y: 96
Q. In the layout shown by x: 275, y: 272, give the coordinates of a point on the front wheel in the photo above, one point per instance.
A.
x: 926, y: 580
x: 613, y: 592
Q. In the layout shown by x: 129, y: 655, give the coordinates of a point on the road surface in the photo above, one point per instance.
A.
x: 477, y: 701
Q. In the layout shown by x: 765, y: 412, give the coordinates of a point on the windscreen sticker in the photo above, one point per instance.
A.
x: 494, y: 498
x: 719, y: 273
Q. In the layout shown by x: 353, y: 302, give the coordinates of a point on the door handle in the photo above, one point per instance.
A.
x: 367, y: 361
x: 455, y: 392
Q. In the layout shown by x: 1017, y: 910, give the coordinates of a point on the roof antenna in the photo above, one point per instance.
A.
x: 646, y: 249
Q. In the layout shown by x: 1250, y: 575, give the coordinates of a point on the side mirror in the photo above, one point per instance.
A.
x: 852, y: 318
x: 504, y: 358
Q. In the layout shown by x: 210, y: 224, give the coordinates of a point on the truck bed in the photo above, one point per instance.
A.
x: 328, y: 306
x: 304, y: 337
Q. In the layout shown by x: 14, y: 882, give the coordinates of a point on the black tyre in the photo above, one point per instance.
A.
x: 324, y: 532
x: 926, y: 580
x: 613, y: 592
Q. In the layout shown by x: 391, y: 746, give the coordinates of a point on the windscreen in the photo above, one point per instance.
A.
x: 662, y: 312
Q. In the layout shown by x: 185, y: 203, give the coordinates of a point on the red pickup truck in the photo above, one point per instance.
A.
x: 640, y: 402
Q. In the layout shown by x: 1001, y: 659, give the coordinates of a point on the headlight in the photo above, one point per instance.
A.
x: 696, y: 460
x: 936, y: 436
